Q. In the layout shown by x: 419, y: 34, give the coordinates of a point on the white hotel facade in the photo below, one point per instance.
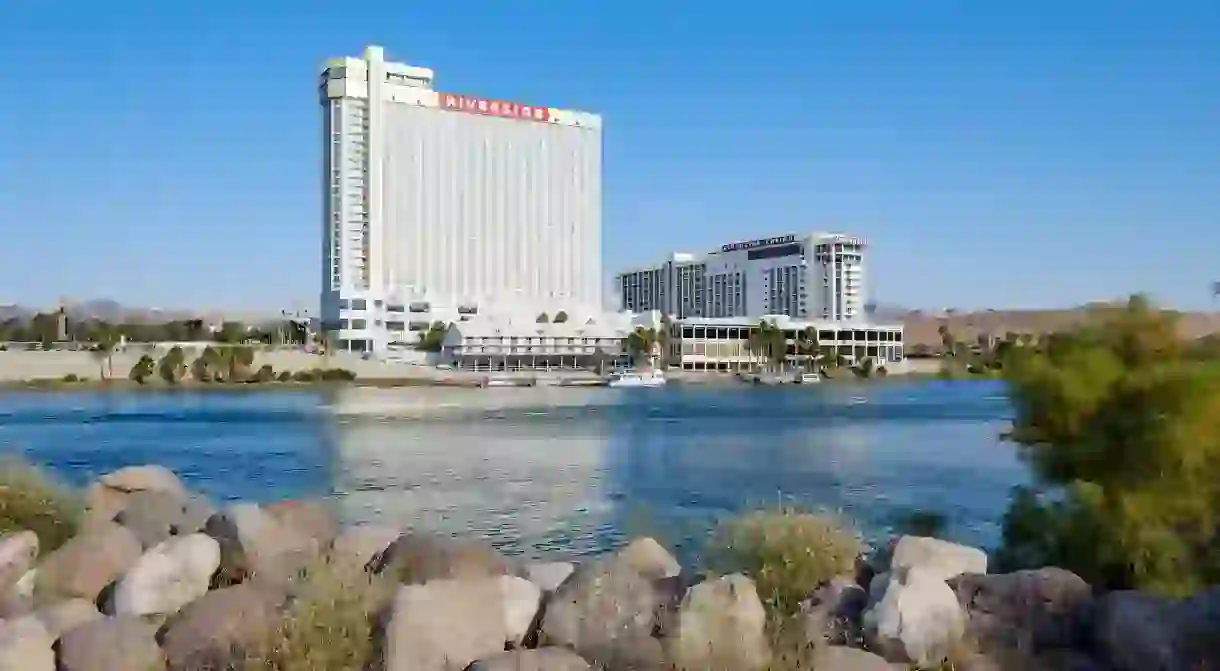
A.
x: 448, y: 207
x: 817, y: 276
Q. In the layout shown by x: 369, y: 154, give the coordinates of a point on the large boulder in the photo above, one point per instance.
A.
x: 839, y: 658
x: 521, y: 600
x: 918, y: 619
x: 360, y: 546
x: 111, y: 644
x: 607, y: 612
x: 210, y: 628
x: 144, y: 478
x: 444, y: 625
x: 416, y: 558
x: 154, y: 516
x: 18, y: 600
x: 548, y: 576
x: 26, y: 645
x: 65, y: 616
x: 648, y: 558
x: 254, y: 542
x: 541, y: 659
x: 86, y: 564
x: 721, y: 624
x: 938, y: 558
x: 1025, y: 610
x: 18, y: 552
x: 1139, y: 632
x: 313, y: 519
x: 831, y: 615
x: 168, y: 576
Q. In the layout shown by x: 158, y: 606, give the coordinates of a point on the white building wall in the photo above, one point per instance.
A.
x: 428, y: 203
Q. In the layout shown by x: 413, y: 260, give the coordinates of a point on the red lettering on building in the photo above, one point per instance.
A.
x: 500, y: 108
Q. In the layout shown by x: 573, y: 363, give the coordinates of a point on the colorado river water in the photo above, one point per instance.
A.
x: 559, y: 479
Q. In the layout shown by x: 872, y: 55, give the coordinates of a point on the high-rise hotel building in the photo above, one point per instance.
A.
x: 816, y: 276
x: 439, y: 205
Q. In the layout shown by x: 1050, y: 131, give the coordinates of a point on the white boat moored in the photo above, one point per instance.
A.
x: 631, y: 378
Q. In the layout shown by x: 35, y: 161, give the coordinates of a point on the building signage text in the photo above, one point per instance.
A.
x: 500, y: 108
x: 764, y: 242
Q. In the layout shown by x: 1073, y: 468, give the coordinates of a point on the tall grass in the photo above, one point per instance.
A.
x: 331, y: 622
x: 32, y: 501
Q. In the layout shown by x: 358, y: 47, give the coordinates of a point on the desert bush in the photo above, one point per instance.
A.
x: 329, y: 624
x: 303, y: 376
x: 788, y: 553
x: 1118, y: 422
x: 32, y: 501
x: 264, y: 374
x: 337, y: 375
x: 284, y: 376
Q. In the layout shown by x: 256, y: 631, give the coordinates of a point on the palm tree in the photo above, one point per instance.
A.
x: 103, y: 352
x: 641, y: 343
x: 807, y: 345
x: 768, y: 341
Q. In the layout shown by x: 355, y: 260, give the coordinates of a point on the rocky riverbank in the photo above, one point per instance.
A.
x: 150, y: 576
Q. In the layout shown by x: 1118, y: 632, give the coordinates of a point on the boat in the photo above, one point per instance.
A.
x: 808, y: 378
x: 630, y: 378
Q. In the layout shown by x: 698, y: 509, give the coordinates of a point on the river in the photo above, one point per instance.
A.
x: 561, y: 480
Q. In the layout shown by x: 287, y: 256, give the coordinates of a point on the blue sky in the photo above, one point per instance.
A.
x: 997, y: 154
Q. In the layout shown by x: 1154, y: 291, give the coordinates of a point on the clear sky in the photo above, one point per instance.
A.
x: 997, y: 154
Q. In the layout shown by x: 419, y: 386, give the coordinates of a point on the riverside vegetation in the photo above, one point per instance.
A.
x: 1108, y: 561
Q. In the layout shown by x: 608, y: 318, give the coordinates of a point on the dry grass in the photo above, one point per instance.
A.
x: 331, y: 623
x: 32, y: 501
x: 787, y: 553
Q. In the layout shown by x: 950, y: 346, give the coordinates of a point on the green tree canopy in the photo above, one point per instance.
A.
x: 1120, y: 426
x: 560, y: 317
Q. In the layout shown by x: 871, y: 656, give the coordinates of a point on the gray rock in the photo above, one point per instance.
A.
x: 1140, y: 632
x: 168, y: 576
x: 838, y: 658
x: 111, y: 644
x: 548, y: 576
x: 542, y: 659
x: 144, y: 478
x: 721, y: 624
x: 918, y: 619
x: 65, y: 616
x: 18, y: 552
x: 209, y: 628
x: 831, y: 615
x: 938, y: 558
x: 19, y: 599
x: 25, y: 645
x: 445, y: 625
x: 312, y: 519
x: 1025, y: 610
x: 362, y: 545
x: 254, y: 543
x: 86, y: 564
x: 606, y: 612
x: 521, y: 599
x: 155, y: 516
x: 649, y: 559
x: 416, y: 558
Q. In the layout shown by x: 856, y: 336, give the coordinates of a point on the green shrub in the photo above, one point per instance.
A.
x: 31, y: 501
x: 1118, y: 421
x: 329, y: 623
x: 303, y: 376
x: 787, y: 553
x: 143, y: 369
x: 284, y: 376
x: 71, y: 377
x: 337, y: 375
x: 264, y: 374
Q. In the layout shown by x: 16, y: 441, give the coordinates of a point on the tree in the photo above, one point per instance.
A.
x: 433, y: 339
x: 143, y: 369
x: 103, y: 352
x: 641, y: 344
x: 946, y: 339
x: 769, y: 342
x: 1119, y: 427
x: 232, y: 333
x: 807, y: 345
x: 560, y: 317
x: 207, y: 366
x: 543, y: 318
x: 172, y: 366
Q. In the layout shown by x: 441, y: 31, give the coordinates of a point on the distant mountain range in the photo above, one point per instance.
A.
x: 115, y: 312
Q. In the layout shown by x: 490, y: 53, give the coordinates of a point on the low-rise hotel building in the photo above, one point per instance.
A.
x: 588, y: 342
x: 723, y: 344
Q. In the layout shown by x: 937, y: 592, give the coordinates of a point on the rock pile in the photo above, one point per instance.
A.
x: 157, y: 579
